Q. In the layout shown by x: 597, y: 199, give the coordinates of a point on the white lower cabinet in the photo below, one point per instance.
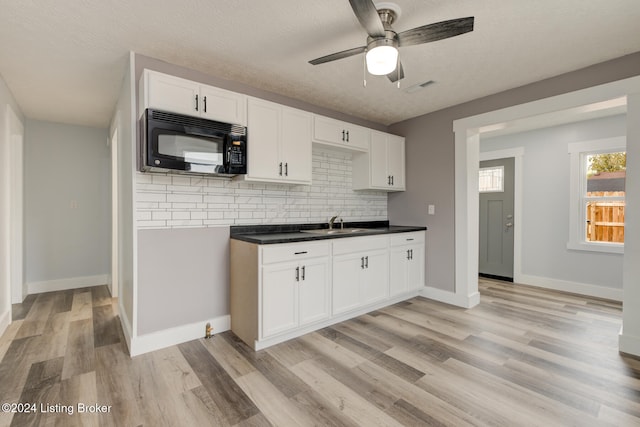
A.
x: 281, y: 291
x: 294, y: 293
x: 360, y: 272
x: 406, y: 263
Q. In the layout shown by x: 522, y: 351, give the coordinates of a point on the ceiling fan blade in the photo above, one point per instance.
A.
x: 397, y: 74
x: 338, y: 55
x: 367, y: 14
x: 434, y: 32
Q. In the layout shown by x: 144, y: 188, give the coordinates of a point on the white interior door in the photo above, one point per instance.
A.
x: 495, y: 252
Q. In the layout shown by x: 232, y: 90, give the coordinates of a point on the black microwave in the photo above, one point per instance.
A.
x: 178, y: 143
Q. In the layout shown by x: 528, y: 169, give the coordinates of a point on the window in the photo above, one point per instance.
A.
x: 598, y: 173
x: 491, y: 179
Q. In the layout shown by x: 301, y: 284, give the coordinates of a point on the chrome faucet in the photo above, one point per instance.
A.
x: 331, y: 221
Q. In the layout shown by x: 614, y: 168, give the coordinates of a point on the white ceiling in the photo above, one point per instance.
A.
x: 64, y: 60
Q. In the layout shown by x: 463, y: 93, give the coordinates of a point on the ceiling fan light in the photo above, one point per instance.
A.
x: 382, y: 59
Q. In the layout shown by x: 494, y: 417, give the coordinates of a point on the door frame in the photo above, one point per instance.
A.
x: 517, y: 153
x: 467, y: 144
x: 115, y: 250
x: 16, y: 206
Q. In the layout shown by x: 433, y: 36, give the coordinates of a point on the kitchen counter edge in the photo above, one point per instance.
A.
x: 288, y: 234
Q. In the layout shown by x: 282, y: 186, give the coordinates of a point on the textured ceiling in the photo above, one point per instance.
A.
x: 64, y: 60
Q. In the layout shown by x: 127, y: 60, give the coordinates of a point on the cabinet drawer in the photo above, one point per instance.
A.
x: 407, y: 238
x: 294, y: 251
x: 359, y: 244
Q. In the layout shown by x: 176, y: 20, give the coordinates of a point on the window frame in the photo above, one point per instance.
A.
x: 578, y: 152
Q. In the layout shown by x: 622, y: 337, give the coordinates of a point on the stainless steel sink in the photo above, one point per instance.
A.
x: 326, y: 231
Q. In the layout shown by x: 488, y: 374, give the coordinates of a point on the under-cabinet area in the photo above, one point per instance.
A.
x: 283, y: 290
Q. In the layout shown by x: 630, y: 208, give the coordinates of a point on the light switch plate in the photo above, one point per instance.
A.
x: 431, y: 209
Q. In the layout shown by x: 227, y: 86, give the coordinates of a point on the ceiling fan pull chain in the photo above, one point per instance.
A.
x: 364, y: 70
x: 398, y: 68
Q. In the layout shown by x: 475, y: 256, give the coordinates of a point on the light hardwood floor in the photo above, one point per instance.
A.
x: 523, y: 357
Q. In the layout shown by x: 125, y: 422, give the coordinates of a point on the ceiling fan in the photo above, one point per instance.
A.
x: 383, y: 42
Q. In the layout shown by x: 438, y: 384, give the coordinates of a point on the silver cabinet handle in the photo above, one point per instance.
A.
x: 303, y: 269
x: 366, y: 262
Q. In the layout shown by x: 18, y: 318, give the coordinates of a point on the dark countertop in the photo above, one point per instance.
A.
x: 290, y: 233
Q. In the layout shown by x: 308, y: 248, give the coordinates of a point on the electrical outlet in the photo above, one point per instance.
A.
x: 431, y: 209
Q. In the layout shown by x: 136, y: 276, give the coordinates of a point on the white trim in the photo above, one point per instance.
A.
x: 577, y: 218
x: 69, y: 283
x: 15, y: 140
x: 467, y: 132
x: 5, y: 321
x: 126, y: 325
x: 451, y: 298
x: 628, y: 344
x: 173, y: 336
x: 115, y: 276
x: 614, y: 294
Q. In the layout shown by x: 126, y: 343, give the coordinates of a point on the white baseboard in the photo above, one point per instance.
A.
x: 166, y: 338
x: 629, y: 344
x: 5, y: 321
x: 614, y: 294
x: 70, y: 283
x: 452, y: 298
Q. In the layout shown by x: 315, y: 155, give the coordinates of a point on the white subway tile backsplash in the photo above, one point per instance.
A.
x: 170, y: 201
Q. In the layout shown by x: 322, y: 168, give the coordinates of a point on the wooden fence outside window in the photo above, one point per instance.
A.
x: 605, y: 219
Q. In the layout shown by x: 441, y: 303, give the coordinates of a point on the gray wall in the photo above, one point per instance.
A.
x: 546, y: 203
x: 183, y: 277
x: 430, y: 158
x: 67, y: 201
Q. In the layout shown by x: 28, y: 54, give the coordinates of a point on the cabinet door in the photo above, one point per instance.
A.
x: 223, y: 105
x: 396, y: 161
x: 262, y: 140
x: 378, y: 161
x: 313, y: 291
x: 172, y: 94
x: 398, y: 270
x: 346, y: 282
x: 375, y: 277
x: 327, y: 130
x: 279, y: 298
x: 415, y: 268
x: 340, y: 134
x: 295, y: 147
x: 357, y: 137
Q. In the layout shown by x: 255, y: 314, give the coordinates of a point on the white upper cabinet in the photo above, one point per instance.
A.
x: 279, y: 143
x: 382, y: 168
x: 338, y: 134
x: 174, y: 94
